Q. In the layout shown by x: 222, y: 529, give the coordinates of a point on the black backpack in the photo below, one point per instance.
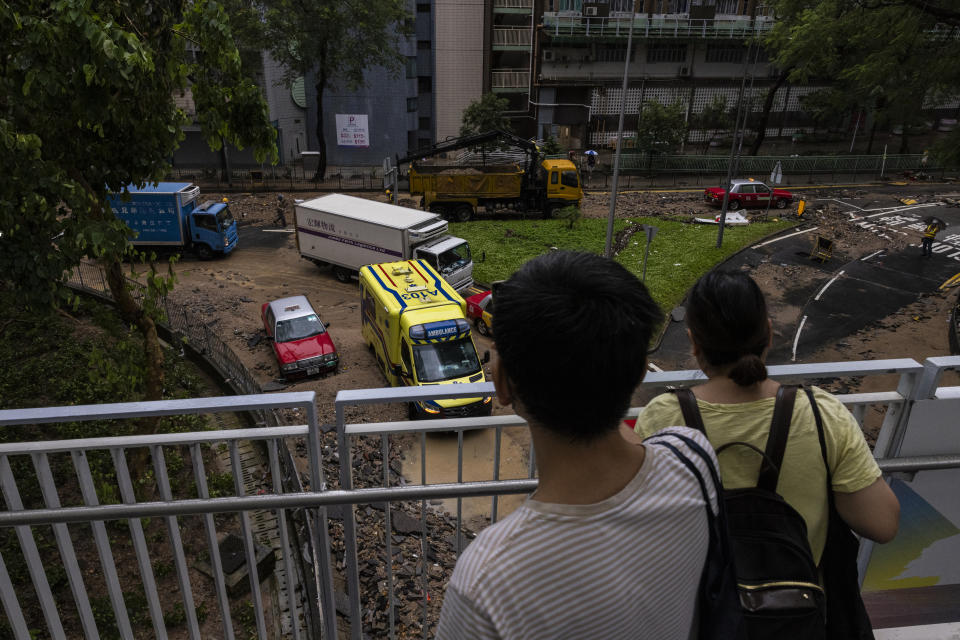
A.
x: 777, y: 579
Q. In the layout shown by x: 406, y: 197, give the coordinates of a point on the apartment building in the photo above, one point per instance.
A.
x: 683, y: 51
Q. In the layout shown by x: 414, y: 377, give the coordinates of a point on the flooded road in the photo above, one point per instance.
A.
x: 478, y: 453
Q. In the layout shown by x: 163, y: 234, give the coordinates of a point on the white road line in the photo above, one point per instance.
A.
x: 278, y: 230
x: 832, y: 280
x: 841, y: 202
x: 865, y: 258
x: 757, y: 246
x: 796, y: 339
x: 654, y: 367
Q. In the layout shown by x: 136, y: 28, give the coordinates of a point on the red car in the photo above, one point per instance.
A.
x: 299, y: 338
x: 480, y: 308
x: 748, y: 193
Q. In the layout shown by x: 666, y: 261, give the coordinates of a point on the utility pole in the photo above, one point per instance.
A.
x: 738, y: 131
x: 608, y: 248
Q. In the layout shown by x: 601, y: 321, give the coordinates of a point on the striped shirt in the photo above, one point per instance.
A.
x: 626, y: 567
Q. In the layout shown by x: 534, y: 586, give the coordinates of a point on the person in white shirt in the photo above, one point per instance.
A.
x: 612, y: 544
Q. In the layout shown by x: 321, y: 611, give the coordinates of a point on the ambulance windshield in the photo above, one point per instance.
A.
x: 445, y: 360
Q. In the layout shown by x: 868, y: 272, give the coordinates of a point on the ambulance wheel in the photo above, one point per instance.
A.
x: 733, y: 205
x: 481, y: 326
x: 204, y: 252
x: 462, y: 213
x: 341, y: 274
x: 781, y: 203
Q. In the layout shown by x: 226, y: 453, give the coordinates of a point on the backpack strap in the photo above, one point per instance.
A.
x: 823, y: 442
x: 688, y: 406
x: 777, y: 440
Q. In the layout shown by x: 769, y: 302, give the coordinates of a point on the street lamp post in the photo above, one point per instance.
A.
x: 608, y: 249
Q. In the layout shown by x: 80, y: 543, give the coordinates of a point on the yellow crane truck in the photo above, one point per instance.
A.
x: 458, y: 191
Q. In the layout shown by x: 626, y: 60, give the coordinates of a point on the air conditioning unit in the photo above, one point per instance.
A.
x: 684, y: 71
x: 548, y: 55
x: 590, y: 12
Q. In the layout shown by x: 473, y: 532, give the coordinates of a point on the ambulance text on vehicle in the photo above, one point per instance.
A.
x: 415, y: 323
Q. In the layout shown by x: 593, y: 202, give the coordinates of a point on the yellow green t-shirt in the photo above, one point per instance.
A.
x: 803, y: 479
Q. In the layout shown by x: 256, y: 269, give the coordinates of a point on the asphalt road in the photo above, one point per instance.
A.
x: 852, y: 291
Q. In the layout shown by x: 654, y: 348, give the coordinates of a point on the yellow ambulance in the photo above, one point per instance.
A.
x: 415, y: 323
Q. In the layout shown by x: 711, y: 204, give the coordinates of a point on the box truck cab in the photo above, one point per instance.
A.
x: 167, y: 214
x: 415, y: 324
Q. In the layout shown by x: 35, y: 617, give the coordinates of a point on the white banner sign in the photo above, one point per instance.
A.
x: 352, y: 130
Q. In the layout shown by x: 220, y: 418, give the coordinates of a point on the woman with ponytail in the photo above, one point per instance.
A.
x: 730, y: 333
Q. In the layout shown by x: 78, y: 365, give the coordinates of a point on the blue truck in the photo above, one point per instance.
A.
x: 167, y: 214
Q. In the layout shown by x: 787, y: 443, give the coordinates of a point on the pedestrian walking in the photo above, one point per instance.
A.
x: 281, y: 217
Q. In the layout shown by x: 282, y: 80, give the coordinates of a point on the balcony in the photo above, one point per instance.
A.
x: 330, y: 522
x: 522, y: 7
x: 506, y: 80
x: 511, y: 39
x: 580, y: 30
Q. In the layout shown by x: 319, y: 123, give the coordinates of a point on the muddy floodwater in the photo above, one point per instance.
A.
x: 478, y: 458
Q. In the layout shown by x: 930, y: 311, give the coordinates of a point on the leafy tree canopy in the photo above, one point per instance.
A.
x: 887, y: 57
x: 485, y: 114
x: 660, y: 128
x: 337, y: 42
x: 87, y: 106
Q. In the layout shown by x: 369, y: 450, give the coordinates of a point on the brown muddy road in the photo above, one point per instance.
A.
x: 228, y: 294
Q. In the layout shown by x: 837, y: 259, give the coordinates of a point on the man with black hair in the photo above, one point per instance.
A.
x: 613, y: 542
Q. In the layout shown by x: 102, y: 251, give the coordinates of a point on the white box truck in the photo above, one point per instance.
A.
x: 348, y: 233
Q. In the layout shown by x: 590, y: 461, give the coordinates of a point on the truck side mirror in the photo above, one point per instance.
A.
x: 486, y: 357
x: 326, y: 325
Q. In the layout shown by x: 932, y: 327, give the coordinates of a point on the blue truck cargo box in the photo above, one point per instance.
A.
x: 157, y: 211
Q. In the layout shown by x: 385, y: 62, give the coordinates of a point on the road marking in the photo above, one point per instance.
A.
x: 796, y: 339
x: 841, y: 202
x: 757, y: 246
x: 654, y: 367
x: 865, y: 258
x: 278, y: 230
x: 832, y: 280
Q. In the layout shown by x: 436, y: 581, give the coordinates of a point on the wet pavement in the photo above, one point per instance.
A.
x: 851, y: 290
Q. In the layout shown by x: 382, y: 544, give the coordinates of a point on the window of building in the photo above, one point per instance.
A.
x: 411, y: 67
x: 425, y: 84
x: 666, y: 53
x: 423, y: 45
x: 423, y: 7
x: 411, y: 104
x: 725, y: 53
x: 612, y: 54
x: 423, y: 124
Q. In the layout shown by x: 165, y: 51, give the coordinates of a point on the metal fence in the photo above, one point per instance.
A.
x: 907, y: 382
x: 188, y: 330
x: 288, y: 178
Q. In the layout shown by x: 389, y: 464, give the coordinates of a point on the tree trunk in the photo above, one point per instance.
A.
x: 873, y: 133
x: 321, y: 141
x: 131, y: 313
x: 904, y: 146
x: 761, y: 127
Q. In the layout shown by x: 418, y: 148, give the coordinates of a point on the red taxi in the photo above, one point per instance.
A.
x: 748, y: 193
x: 299, y: 338
x: 480, y: 308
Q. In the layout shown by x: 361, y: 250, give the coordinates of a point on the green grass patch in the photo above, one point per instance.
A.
x: 679, y: 254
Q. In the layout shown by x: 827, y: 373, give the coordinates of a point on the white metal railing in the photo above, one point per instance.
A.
x: 559, y: 26
x: 511, y: 36
x: 366, y: 573
x: 513, y: 4
x: 509, y: 79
